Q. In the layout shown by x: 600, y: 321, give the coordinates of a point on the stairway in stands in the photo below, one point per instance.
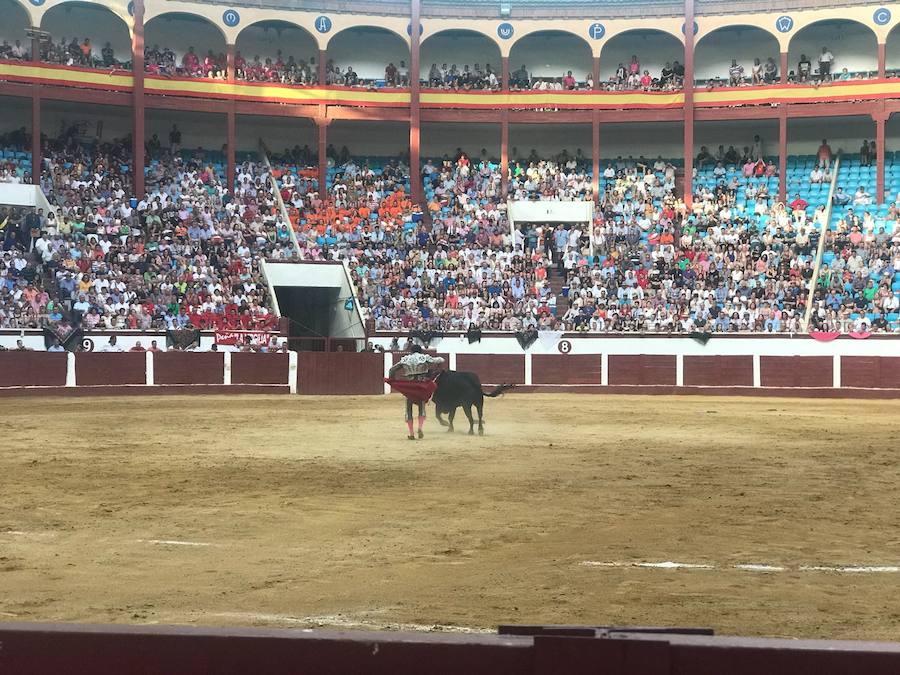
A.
x: 557, y: 281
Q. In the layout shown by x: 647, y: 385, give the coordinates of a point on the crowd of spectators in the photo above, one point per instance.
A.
x: 188, y: 252
x: 14, y: 52
x: 277, y: 69
x: 631, y: 77
x: 185, y: 254
x: 85, y: 54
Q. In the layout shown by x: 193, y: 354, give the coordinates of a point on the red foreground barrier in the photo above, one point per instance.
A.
x: 352, y: 373
x: 30, y: 649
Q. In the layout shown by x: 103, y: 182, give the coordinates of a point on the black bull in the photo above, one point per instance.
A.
x: 455, y: 389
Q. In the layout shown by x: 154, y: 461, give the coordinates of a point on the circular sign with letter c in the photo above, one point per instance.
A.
x: 564, y: 346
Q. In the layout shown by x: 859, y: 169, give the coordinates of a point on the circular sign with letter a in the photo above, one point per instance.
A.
x: 564, y: 346
x: 323, y: 24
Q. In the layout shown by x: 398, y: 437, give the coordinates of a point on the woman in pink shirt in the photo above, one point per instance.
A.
x: 634, y: 68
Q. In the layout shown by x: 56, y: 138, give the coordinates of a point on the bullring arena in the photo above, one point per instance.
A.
x: 249, y: 251
x: 315, y: 512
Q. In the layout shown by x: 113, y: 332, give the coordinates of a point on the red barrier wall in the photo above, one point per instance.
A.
x: 565, y: 369
x: 882, y: 372
x: 340, y: 373
x: 718, y: 371
x: 641, y: 369
x: 177, y: 650
x: 32, y: 369
x: 494, y: 368
x: 796, y: 371
x: 188, y: 368
x: 251, y: 368
x: 99, y: 368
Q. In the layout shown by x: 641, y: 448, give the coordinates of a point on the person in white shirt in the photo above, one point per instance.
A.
x: 826, y: 58
x: 111, y: 346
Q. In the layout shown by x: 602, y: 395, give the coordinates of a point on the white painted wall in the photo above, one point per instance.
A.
x: 548, y: 139
x: 443, y: 139
x: 110, y: 122
x: 853, y: 45
x: 738, y: 134
x: 892, y: 49
x: 461, y: 48
x: 652, y: 140
x: 718, y: 346
x: 382, y: 139
x: 89, y: 21
x: 180, y: 31
x: 551, y: 54
x: 205, y: 130
x: 277, y: 132
x: 266, y: 39
x: 714, y: 52
x: 13, y: 23
x: 847, y: 133
x: 368, y: 50
x: 386, y: 138
x: 653, y: 49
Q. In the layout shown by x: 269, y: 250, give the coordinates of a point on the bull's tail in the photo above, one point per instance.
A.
x: 497, y: 391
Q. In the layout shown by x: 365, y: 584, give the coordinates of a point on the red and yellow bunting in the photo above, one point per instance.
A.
x: 119, y: 80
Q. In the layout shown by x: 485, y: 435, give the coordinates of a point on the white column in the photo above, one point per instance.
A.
x: 836, y: 372
x: 604, y: 369
x: 452, y: 363
x: 226, y: 367
x: 679, y: 370
x: 757, y: 380
x: 70, y: 369
x: 150, y: 377
x: 292, y: 372
x: 388, y: 362
x: 527, y: 369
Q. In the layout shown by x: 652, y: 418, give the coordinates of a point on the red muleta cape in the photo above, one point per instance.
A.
x: 417, y: 391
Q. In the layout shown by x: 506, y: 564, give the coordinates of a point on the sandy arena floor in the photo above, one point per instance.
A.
x: 317, y: 511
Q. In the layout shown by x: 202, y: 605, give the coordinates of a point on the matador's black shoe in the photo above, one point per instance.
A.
x: 421, y: 435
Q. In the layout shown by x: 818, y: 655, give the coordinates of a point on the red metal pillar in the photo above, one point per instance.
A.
x: 782, y: 154
x: 137, y: 73
x: 504, y: 73
x: 880, y: 119
x: 595, y: 153
x: 504, y: 152
x: 322, y: 126
x: 230, y: 72
x: 415, y: 167
x: 230, y: 162
x: 688, y: 102
x: 784, y: 67
x: 36, y: 159
x: 595, y: 72
x: 323, y: 61
x: 881, y: 59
